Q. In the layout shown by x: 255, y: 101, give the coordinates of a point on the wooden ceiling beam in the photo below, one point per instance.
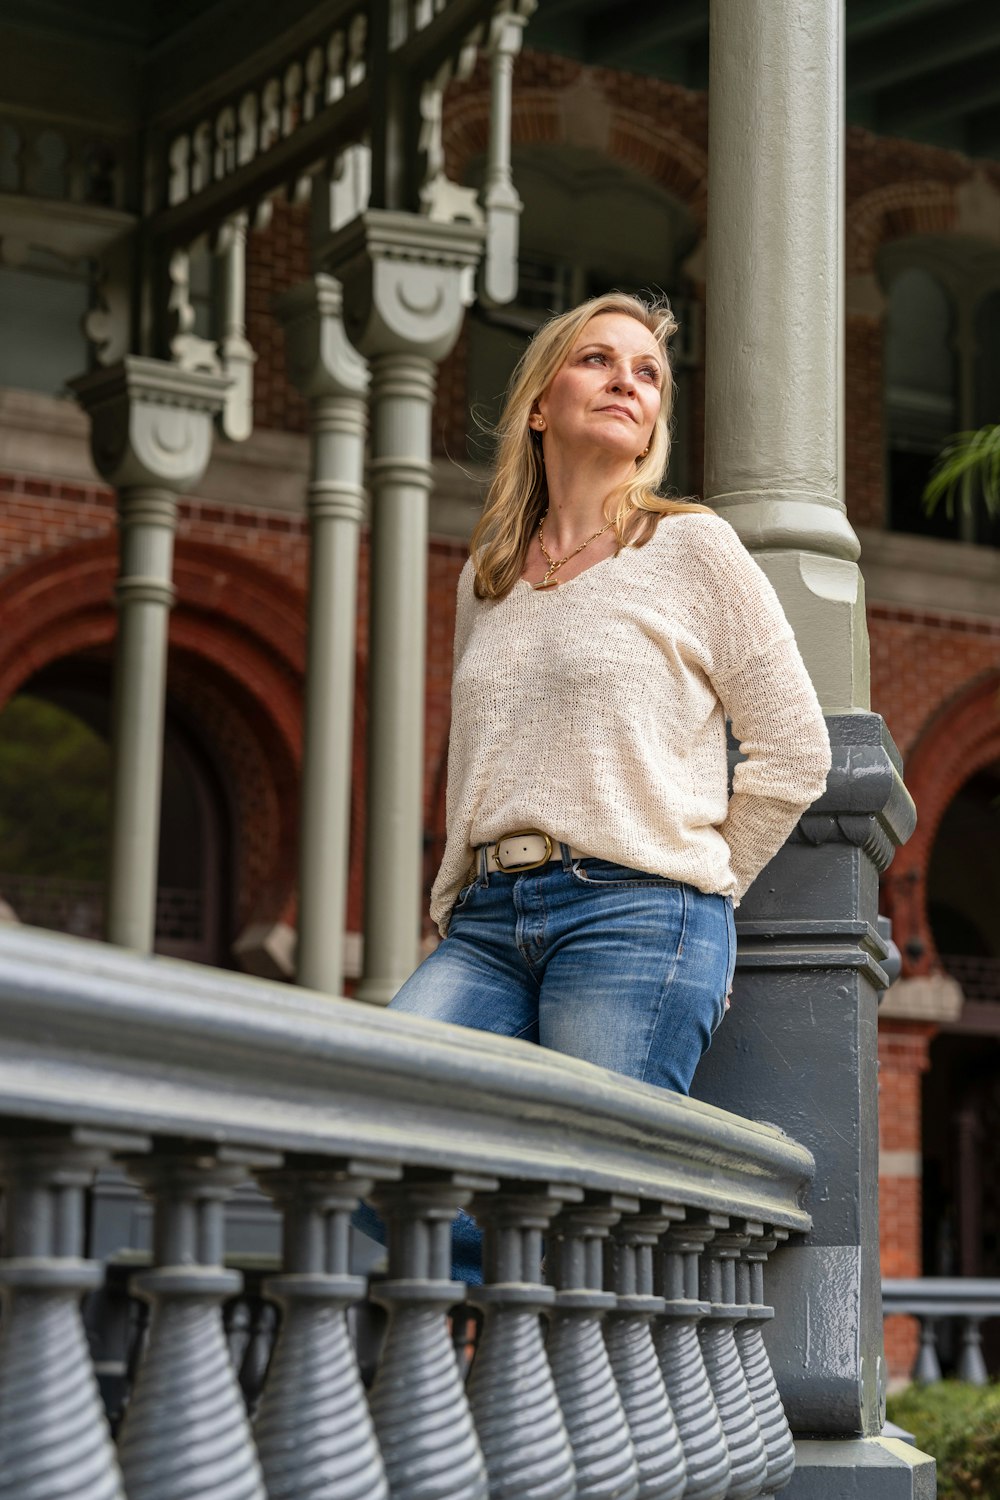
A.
x: 924, y: 47
x: 613, y: 40
x: 946, y: 94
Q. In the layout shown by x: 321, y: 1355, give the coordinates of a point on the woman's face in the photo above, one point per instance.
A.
x: 608, y: 390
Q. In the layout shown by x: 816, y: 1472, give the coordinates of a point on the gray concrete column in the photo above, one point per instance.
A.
x: 151, y: 436
x: 799, y: 1047
x: 334, y: 378
x: 406, y: 284
x: 775, y: 321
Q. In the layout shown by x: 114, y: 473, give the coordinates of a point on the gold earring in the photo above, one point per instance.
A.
x: 644, y: 451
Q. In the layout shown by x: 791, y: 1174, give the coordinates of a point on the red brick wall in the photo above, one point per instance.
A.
x: 903, y: 1059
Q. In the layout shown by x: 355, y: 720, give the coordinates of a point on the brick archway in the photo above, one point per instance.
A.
x: 894, y: 212
x: 665, y: 155
x: 961, y: 739
x: 235, y: 671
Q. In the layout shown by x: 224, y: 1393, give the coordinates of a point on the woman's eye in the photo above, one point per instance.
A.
x: 596, y: 356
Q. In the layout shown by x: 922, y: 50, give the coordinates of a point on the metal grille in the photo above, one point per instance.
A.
x: 979, y: 977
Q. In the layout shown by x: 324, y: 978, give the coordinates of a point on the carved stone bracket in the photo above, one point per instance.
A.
x: 406, y: 280
x: 151, y: 422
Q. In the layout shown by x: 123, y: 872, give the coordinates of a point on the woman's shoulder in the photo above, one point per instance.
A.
x: 695, y: 536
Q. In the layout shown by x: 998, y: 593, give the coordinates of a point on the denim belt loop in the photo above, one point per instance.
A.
x: 567, y: 858
x: 483, y: 873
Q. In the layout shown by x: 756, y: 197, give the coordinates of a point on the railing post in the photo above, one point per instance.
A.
x: 334, y: 378
x: 314, y: 1432
x: 151, y: 437
x: 629, y: 1256
x: 186, y: 1430
x: 418, y: 1403
x: 606, y: 1465
x: 678, y: 1347
x: 406, y: 284
x: 511, y: 1390
x: 54, y: 1437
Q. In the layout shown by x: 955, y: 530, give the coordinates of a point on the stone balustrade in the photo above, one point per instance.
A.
x: 965, y: 1302
x: 620, y: 1334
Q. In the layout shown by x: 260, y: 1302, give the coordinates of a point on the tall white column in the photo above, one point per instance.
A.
x: 774, y: 389
x: 800, y: 1045
x: 334, y: 378
x: 151, y: 437
x: 407, y: 281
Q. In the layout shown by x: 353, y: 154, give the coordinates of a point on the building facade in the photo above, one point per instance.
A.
x: 612, y: 170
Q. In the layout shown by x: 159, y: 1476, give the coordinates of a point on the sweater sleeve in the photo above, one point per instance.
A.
x: 769, y: 698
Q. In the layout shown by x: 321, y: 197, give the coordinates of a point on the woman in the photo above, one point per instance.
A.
x: 604, y: 635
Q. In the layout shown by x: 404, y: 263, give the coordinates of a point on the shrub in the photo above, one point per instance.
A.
x: 959, y: 1425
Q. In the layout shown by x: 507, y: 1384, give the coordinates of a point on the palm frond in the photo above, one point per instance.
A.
x: 968, y: 467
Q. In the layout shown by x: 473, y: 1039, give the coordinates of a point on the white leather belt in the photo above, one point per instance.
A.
x: 526, y: 850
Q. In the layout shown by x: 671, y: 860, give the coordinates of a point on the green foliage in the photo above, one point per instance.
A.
x: 959, y: 1425
x: 968, y: 467
x: 53, y: 793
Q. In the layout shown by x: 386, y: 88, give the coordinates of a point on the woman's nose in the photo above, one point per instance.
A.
x: 621, y: 378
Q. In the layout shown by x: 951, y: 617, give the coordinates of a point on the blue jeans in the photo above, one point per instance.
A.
x: 621, y: 968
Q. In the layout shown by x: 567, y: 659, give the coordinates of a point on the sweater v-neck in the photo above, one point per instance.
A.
x: 569, y: 582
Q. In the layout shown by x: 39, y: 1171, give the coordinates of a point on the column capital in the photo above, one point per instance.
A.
x: 321, y: 361
x: 407, y: 280
x: 151, y: 422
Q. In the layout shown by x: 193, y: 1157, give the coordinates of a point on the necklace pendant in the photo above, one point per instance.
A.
x: 547, y: 583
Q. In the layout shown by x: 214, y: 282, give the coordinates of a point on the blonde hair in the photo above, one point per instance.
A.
x: 518, y: 496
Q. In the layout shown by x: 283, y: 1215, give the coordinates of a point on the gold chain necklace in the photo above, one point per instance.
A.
x: 548, y: 582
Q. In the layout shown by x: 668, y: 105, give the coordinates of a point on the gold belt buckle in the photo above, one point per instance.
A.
x: 534, y: 864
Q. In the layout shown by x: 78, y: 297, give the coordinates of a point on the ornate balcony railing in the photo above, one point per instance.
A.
x: 655, y: 1216
x: 965, y: 1302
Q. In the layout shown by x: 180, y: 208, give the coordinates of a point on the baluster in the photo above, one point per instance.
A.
x: 595, y: 1419
x: 291, y: 106
x: 336, y: 51
x: 201, y: 157
x: 511, y: 1390
x: 357, y: 41
x: 270, y: 114
x: 314, y: 1432
x: 246, y: 145
x: 54, y: 1437
x: 186, y: 1430
x: 927, y: 1370
x: 747, y: 1457
x: 684, y: 1375
x: 418, y: 1402
x: 236, y: 1322
x: 179, y: 170
x: 252, y: 1368
x: 778, y: 1443
x: 312, y: 97
x: 971, y: 1365
x: 629, y: 1267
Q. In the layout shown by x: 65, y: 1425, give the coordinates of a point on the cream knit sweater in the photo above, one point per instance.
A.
x: 597, y: 711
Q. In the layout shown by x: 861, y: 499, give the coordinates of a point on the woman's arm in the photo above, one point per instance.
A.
x: 769, y: 698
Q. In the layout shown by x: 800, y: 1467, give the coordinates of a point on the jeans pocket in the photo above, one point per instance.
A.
x: 463, y: 896
x: 731, y: 959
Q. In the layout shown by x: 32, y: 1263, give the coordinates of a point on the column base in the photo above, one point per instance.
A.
x: 861, y: 1469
